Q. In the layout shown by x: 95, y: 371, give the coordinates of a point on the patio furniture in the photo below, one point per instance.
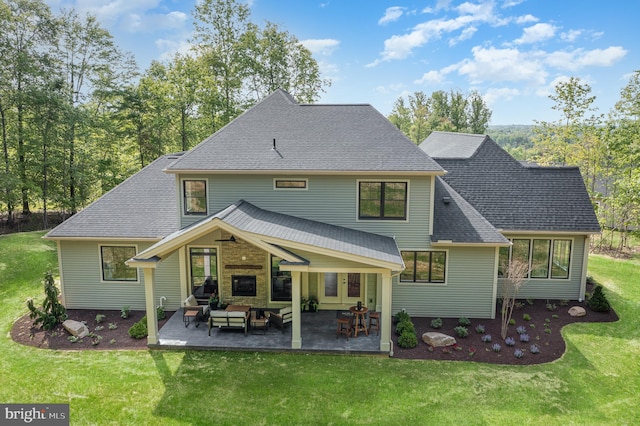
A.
x: 374, y: 321
x: 359, y: 322
x: 259, y: 323
x: 234, y: 316
x: 193, y: 311
x: 345, y: 327
x: 281, y: 317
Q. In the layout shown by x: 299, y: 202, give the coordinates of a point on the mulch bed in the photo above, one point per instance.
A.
x: 23, y: 331
x: 551, y: 344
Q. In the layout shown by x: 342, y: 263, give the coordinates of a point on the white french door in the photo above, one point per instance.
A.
x: 341, y: 288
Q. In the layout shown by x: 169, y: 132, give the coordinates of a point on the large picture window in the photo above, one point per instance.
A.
x: 280, y: 282
x: 424, y: 266
x: 113, y: 266
x: 382, y: 200
x: 204, y: 271
x: 195, y: 197
x: 547, y: 258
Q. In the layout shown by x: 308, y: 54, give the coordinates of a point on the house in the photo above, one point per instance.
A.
x: 292, y: 200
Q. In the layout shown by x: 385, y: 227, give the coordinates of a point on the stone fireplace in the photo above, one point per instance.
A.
x: 243, y: 285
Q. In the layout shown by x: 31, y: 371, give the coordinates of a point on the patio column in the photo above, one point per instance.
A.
x: 385, y: 321
x: 149, y: 293
x: 296, y: 285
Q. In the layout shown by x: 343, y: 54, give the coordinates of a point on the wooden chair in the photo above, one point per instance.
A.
x: 345, y: 326
x: 374, y: 321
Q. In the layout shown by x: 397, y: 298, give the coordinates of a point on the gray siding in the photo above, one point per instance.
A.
x: 468, y: 291
x: 329, y: 199
x: 83, y: 288
x: 568, y: 289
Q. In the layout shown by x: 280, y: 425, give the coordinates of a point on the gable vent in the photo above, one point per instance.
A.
x: 446, y: 200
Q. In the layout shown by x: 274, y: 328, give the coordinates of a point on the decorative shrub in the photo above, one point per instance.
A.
x: 496, y: 347
x: 518, y: 353
x: 436, y: 323
x: 139, y: 330
x: 551, y: 307
x: 402, y: 316
x: 160, y: 313
x: 100, y: 318
x: 526, y: 317
x: 486, y: 338
x: 52, y: 312
x: 464, y: 321
x: 524, y: 338
x: 521, y: 329
x: 461, y: 331
x: 408, y: 339
x: 113, y: 326
x: 598, y: 301
x: 534, y: 349
x: 509, y: 341
x: 124, y: 312
x: 403, y: 326
x: 512, y: 322
x: 480, y: 328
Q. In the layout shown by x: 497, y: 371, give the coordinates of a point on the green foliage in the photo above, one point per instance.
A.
x: 402, y: 316
x: 100, y: 318
x: 598, y: 301
x: 436, y: 323
x: 405, y: 325
x: 408, y: 339
x: 526, y: 317
x: 160, y: 313
x: 139, y: 330
x: 461, y: 331
x: 464, y: 321
x: 52, y: 312
x: 124, y: 312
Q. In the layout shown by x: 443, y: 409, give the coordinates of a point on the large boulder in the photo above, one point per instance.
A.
x: 438, y: 339
x: 76, y: 328
x: 577, y: 311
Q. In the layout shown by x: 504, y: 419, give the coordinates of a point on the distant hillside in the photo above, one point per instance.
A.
x: 516, y: 139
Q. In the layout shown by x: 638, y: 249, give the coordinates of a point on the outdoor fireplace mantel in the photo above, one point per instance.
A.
x: 243, y: 266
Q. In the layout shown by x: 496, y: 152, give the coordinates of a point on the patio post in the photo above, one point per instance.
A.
x: 385, y: 320
x: 296, y: 339
x: 149, y: 293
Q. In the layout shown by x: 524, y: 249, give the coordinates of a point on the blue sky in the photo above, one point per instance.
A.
x: 512, y: 52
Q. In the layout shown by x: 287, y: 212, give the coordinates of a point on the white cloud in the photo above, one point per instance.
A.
x: 580, y: 58
x: 135, y: 22
x: 536, y: 33
x: 391, y: 14
x: 571, y: 35
x: 526, y: 19
x: 494, y: 95
x: 431, y: 77
x: 323, y: 47
x: 491, y: 64
x: 466, y: 34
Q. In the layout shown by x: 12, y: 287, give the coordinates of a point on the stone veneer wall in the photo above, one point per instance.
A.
x: 255, y: 262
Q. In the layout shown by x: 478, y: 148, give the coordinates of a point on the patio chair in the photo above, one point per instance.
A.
x: 281, y: 317
x: 191, y: 309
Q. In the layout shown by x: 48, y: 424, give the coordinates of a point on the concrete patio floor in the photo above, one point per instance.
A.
x: 318, y: 330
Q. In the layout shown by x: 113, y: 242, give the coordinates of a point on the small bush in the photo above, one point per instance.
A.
x: 52, y: 312
x: 526, y: 317
x: 496, y: 347
x: 100, y: 318
x: 551, y: 307
x: 461, y: 331
x: 480, y: 328
x: 402, y: 316
x: 598, y: 301
x: 124, y: 312
x: 160, y: 313
x: 518, y: 353
x: 139, y: 330
x: 465, y: 322
x: 486, y: 338
x: 408, y: 339
x: 509, y: 341
x: 112, y: 326
x: 524, y: 338
x: 436, y: 323
x: 534, y: 349
x: 512, y: 322
x: 521, y: 329
x: 403, y: 326
x: 99, y: 327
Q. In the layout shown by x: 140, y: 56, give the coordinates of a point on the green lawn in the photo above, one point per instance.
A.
x: 597, y: 382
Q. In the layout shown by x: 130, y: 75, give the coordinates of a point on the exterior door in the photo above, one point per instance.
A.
x: 341, y: 288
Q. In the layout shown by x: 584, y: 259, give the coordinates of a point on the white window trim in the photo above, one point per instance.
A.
x: 102, y: 280
x: 406, y: 219
x: 428, y: 284
x: 305, y: 180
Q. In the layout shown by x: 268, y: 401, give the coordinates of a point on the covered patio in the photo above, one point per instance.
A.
x: 318, y: 329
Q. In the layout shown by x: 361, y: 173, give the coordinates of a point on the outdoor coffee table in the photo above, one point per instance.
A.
x: 189, y: 315
x: 259, y: 323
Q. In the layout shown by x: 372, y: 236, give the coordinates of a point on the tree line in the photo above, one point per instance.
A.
x: 77, y: 117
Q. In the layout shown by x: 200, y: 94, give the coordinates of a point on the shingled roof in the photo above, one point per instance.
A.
x: 142, y: 207
x: 279, y: 134
x: 510, y: 195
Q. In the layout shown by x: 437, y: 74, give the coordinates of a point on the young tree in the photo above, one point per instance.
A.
x: 516, y: 273
x: 52, y: 312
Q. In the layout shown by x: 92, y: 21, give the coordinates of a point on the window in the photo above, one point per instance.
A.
x: 280, y: 282
x: 382, y: 200
x: 290, y: 184
x: 424, y: 266
x: 195, y: 197
x: 204, y: 270
x: 547, y: 258
x: 113, y: 266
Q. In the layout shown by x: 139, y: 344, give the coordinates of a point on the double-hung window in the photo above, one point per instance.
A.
x: 382, y: 200
x: 424, y: 266
x: 195, y: 197
x: 113, y: 266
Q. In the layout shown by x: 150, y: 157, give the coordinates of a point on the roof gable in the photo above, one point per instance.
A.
x: 279, y: 134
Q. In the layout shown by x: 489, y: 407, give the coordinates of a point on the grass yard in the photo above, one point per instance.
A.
x: 596, y: 383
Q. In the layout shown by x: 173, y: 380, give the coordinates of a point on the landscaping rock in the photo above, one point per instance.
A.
x: 577, y: 311
x: 76, y: 328
x: 438, y: 339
